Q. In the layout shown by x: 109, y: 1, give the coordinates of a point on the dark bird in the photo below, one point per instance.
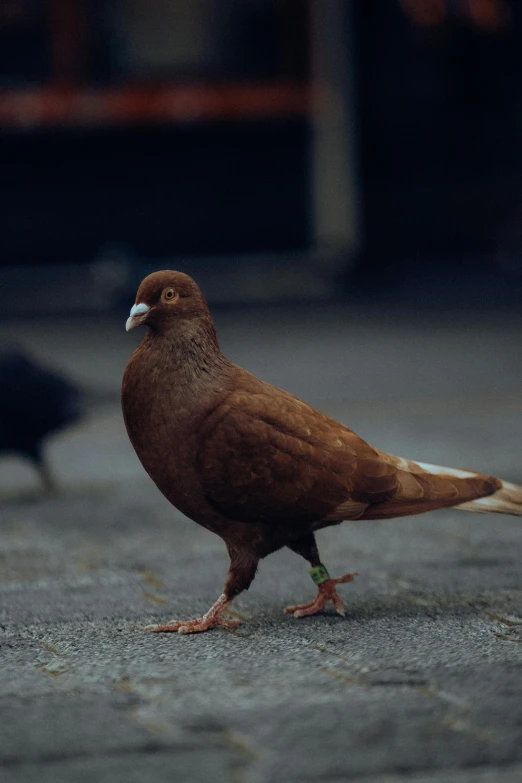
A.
x: 255, y: 464
x: 34, y: 403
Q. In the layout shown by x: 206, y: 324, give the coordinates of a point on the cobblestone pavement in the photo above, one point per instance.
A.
x: 420, y: 682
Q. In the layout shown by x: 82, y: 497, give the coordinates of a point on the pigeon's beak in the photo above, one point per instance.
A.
x: 138, y: 315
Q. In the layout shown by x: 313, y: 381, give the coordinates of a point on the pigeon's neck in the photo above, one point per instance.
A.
x: 190, y: 357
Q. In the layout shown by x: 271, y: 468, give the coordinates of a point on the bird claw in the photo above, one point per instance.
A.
x: 195, y: 626
x: 192, y: 626
x: 325, y: 592
x: 212, y: 619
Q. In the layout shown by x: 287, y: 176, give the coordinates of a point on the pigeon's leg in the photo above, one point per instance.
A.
x: 243, y: 567
x: 47, y: 478
x: 326, y: 587
x: 44, y: 472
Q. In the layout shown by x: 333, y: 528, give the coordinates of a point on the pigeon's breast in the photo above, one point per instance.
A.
x: 163, y: 423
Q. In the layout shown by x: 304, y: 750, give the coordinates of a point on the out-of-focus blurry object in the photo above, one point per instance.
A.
x: 440, y: 131
x: 35, y: 402
x: 487, y: 14
x: 267, y: 147
x: 215, y: 132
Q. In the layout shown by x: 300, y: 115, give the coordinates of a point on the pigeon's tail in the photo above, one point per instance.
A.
x: 424, y: 487
x: 506, y: 500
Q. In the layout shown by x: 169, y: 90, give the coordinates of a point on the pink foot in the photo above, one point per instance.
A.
x: 325, y: 592
x: 212, y: 619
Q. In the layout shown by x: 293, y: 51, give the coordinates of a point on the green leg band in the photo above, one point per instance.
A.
x: 319, y: 574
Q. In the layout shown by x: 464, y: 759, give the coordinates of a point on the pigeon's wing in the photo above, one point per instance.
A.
x: 267, y: 456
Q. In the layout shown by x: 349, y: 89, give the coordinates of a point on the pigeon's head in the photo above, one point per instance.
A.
x: 165, y: 299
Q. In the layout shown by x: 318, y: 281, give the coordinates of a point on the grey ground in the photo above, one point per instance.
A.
x: 421, y: 681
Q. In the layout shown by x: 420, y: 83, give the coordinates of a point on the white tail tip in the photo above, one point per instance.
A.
x: 507, y: 500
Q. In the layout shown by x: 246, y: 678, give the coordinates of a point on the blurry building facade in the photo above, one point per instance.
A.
x: 357, y: 134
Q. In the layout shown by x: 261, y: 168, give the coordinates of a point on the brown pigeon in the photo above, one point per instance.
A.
x: 255, y: 464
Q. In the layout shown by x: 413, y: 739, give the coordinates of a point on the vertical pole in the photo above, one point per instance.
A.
x: 336, y: 208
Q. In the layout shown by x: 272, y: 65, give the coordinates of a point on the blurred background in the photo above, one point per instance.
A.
x: 340, y: 176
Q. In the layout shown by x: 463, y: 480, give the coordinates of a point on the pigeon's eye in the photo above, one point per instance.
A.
x: 170, y: 295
